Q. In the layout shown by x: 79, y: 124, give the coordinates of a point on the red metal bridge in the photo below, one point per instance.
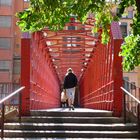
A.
x: 47, y: 56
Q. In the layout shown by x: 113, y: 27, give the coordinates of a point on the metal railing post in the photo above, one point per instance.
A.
x: 124, y: 107
x: 20, y: 107
x: 138, y: 120
x: 2, y: 120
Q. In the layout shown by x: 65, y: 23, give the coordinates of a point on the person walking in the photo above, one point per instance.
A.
x: 70, y: 83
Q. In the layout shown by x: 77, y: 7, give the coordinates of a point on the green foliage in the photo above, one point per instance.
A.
x: 131, y: 52
x: 123, y: 4
x: 56, y: 13
x: 131, y: 45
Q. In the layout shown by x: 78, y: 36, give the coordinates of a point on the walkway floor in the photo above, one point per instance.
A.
x: 75, y: 110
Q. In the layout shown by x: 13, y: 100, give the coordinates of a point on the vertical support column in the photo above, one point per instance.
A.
x: 25, y: 76
x: 118, y: 78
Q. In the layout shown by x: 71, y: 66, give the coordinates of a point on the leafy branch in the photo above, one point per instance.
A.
x: 56, y: 13
x: 131, y: 46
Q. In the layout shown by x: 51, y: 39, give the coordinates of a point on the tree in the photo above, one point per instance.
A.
x: 55, y: 13
x: 131, y: 45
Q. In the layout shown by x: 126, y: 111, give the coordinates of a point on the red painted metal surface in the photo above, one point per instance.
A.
x: 101, y: 82
x: 117, y: 77
x: 71, y: 47
x: 25, y: 75
x: 45, y: 86
x: 97, y: 66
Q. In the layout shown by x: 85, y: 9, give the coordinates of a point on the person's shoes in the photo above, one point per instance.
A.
x: 62, y: 106
x: 72, y: 107
x: 65, y: 105
x: 69, y: 108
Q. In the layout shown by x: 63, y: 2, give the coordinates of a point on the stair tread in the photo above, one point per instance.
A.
x: 68, y: 117
x: 69, y: 131
x: 42, y: 138
x: 72, y: 124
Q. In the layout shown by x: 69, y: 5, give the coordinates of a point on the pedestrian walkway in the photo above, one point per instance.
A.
x: 76, y: 110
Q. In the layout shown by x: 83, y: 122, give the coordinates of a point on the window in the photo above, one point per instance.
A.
x: 126, y: 83
x: 5, y: 2
x: 123, y: 27
x: 133, y: 85
x: 15, y: 100
x: 5, y: 43
x: 16, y: 66
x: 126, y: 78
x: 5, y: 21
x: 26, y: 35
x: 71, y: 27
x: 117, y: 10
x: 4, y: 65
x: 130, y: 14
x: 5, y: 89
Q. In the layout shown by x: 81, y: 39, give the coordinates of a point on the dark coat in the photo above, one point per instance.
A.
x: 70, y: 81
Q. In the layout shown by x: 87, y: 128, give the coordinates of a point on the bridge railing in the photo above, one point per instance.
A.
x: 131, y: 102
x: 42, y: 84
x: 7, y: 105
x: 101, y: 82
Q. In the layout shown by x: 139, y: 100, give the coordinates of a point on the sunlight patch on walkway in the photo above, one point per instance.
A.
x: 75, y: 110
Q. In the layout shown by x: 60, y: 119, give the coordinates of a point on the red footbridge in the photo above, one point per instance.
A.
x: 47, y: 55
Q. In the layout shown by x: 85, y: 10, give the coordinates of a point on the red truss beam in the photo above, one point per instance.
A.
x: 69, y: 56
x: 70, y: 48
x: 71, y: 53
x: 100, y: 75
x: 79, y: 51
x: 72, y: 43
x: 68, y: 39
x: 69, y: 35
x: 73, y: 31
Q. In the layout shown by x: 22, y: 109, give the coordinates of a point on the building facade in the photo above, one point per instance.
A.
x: 10, y: 45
